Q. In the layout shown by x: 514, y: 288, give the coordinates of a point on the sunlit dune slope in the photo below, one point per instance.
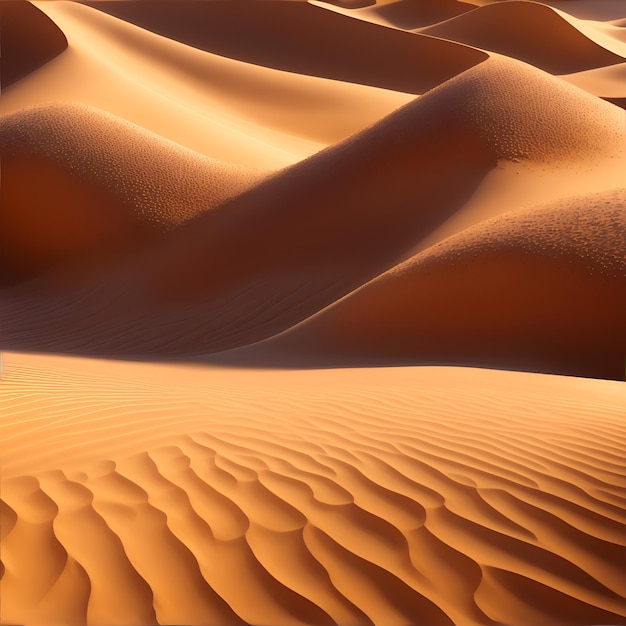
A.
x: 302, y: 38
x: 226, y: 109
x: 80, y: 184
x: 28, y: 39
x: 528, y: 31
x: 315, y: 231
x: 538, y: 289
x: 606, y: 82
x: 142, y: 494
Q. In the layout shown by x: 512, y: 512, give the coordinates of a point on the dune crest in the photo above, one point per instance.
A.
x: 29, y: 40
x: 352, y: 50
x: 405, y: 14
x: 556, y: 46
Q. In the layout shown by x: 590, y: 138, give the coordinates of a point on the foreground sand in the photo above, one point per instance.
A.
x: 184, y: 494
x: 218, y: 220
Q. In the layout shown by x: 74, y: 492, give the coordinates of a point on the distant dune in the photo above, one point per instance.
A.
x: 606, y: 82
x: 223, y: 108
x: 317, y: 42
x: 528, y: 31
x: 29, y: 39
x: 406, y: 14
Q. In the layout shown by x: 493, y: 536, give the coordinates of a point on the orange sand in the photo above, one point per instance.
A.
x: 276, y: 199
x: 165, y: 493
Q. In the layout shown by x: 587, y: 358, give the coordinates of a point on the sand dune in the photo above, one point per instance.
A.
x: 555, y: 46
x: 598, y: 10
x: 228, y: 110
x: 318, y: 42
x: 252, y: 192
x: 312, y: 233
x: 29, y: 40
x: 405, y: 14
x: 604, y: 82
x: 328, y: 497
x: 543, y: 288
x: 82, y: 185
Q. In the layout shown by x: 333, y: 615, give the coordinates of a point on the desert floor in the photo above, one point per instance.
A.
x: 313, y: 313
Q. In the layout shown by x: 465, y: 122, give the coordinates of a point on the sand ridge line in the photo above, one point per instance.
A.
x: 558, y: 46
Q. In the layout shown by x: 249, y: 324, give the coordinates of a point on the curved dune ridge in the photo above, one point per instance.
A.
x: 604, y: 82
x: 545, y: 287
x: 329, y: 497
x: 406, y: 14
x: 313, y: 232
x: 29, y: 40
x: 317, y: 42
x: 224, y: 108
x: 80, y: 184
x: 529, y: 31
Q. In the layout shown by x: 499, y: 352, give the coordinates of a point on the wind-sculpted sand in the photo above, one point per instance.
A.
x: 556, y: 45
x: 219, y: 220
x: 162, y: 493
x: 510, y: 287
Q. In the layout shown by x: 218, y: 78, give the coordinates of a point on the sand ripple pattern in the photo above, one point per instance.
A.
x: 299, y: 505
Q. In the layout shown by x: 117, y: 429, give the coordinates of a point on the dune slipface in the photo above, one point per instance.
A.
x: 29, y: 40
x: 406, y: 15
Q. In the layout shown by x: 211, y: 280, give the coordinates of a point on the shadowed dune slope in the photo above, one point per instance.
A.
x: 313, y: 232
x: 183, y: 495
x: 28, y: 39
x: 541, y: 289
x: 618, y: 102
x: 80, y: 184
x: 530, y: 32
x: 302, y: 38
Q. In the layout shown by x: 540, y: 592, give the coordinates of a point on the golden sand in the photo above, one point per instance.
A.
x: 220, y: 220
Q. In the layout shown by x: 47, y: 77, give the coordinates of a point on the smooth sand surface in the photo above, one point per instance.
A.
x: 604, y: 81
x: 317, y: 42
x: 219, y: 220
